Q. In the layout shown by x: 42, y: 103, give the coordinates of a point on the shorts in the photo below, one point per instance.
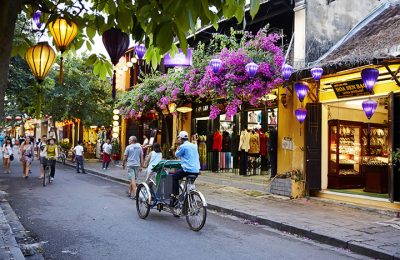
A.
x: 133, y: 172
x: 43, y: 160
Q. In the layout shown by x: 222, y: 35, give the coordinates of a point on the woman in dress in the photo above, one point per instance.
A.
x: 26, y: 156
x: 7, y: 150
x: 155, y: 158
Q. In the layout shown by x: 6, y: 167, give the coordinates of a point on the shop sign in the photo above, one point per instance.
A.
x: 353, y: 88
x: 179, y: 59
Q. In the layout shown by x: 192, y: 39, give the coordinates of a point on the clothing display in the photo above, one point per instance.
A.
x: 202, y: 146
x: 244, y: 143
x: 243, y: 162
x: 252, y: 117
x: 263, y: 143
x: 272, y: 119
x: 254, y: 143
x: 225, y: 160
x: 226, y: 142
x: 217, y: 141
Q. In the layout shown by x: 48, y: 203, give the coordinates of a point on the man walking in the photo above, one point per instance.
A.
x: 79, y: 157
x: 133, y: 159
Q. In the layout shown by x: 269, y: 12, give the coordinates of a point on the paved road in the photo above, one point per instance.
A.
x: 86, y: 217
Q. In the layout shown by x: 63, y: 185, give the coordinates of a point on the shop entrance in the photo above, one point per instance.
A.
x: 355, y: 159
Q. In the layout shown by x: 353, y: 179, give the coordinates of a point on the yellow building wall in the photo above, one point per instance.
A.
x: 288, y: 126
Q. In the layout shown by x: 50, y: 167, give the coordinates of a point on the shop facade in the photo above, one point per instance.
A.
x: 346, y: 148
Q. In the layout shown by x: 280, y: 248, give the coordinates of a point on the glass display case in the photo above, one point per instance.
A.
x: 344, y: 154
x: 374, y: 165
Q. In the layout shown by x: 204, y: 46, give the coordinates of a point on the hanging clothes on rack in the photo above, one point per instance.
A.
x: 254, y: 143
x: 202, y: 147
x: 244, y: 146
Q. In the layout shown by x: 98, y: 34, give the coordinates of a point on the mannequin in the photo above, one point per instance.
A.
x: 254, y: 143
x: 244, y: 146
x: 252, y: 117
x: 216, y: 148
x: 263, y: 151
x: 202, y: 147
x: 272, y: 118
x: 226, y: 149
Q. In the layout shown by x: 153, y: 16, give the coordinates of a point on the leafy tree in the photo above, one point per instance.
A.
x: 157, y: 23
x: 82, y: 95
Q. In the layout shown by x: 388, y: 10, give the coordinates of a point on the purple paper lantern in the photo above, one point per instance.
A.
x: 251, y: 69
x: 216, y: 65
x: 287, y: 71
x: 301, y: 89
x: 369, y: 77
x: 140, y: 51
x: 317, y: 73
x: 36, y: 19
x: 301, y: 114
x: 369, y: 107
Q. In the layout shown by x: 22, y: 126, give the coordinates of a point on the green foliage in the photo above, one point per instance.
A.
x: 65, y: 144
x: 115, y: 147
x: 156, y: 23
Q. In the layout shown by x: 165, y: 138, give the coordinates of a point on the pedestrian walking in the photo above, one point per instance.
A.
x: 79, y: 157
x: 42, y: 155
x: 133, y: 160
x: 51, y: 156
x: 107, y: 147
x: 155, y: 157
x: 26, y: 158
x: 7, y: 150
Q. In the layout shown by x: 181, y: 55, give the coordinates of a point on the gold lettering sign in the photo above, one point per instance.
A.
x: 351, y: 88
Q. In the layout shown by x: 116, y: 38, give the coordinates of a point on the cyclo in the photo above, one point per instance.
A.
x: 156, y: 194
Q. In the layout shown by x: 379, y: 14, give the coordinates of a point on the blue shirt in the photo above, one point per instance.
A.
x: 189, y: 157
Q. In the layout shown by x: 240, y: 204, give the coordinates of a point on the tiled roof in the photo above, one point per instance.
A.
x: 376, y: 37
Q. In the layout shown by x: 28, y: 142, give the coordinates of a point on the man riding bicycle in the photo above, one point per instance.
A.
x: 51, y: 152
x: 190, y: 162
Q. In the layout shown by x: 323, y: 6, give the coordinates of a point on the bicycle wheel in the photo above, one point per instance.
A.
x: 196, y: 211
x: 142, y: 207
x: 46, y: 176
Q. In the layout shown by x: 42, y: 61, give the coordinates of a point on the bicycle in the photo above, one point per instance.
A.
x: 191, y: 203
x: 61, y: 156
x: 47, y: 176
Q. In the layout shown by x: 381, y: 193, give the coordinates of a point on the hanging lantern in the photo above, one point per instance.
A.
x: 36, y: 19
x: 140, y: 51
x: 115, y: 117
x: 115, y: 129
x: 301, y: 114
x: 18, y: 118
x: 64, y: 32
x: 8, y: 118
x: 184, y: 109
x: 116, y: 43
x: 40, y: 59
x: 216, y: 65
x: 133, y: 60
x: 369, y: 106
x: 317, y: 73
x: 115, y: 123
x: 301, y: 89
x: 171, y: 107
x: 287, y: 71
x: 369, y: 77
x: 116, y: 111
x: 251, y: 69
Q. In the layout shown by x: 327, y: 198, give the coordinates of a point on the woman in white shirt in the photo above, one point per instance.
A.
x: 155, y: 158
x: 7, y: 152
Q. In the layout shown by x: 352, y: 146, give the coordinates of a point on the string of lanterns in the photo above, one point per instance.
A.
x: 115, y: 128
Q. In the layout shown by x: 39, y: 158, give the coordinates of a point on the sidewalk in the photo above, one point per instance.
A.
x: 9, y: 248
x: 364, y: 232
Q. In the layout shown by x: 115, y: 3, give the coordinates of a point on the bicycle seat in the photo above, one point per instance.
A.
x: 191, y: 177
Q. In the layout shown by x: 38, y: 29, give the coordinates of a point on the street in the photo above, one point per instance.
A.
x: 86, y: 217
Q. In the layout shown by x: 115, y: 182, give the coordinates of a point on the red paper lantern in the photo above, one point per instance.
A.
x: 8, y: 118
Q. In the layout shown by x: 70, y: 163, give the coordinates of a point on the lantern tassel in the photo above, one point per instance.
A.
x: 61, y: 70
x: 369, y: 128
x: 114, y: 81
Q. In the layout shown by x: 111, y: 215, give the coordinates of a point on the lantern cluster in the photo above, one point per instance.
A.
x: 369, y: 77
x: 41, y: 56
x: 115, y: 128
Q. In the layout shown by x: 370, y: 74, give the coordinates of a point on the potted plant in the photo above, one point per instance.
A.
x: 116, y: 150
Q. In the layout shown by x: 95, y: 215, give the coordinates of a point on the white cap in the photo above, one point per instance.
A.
x: 183, y: 134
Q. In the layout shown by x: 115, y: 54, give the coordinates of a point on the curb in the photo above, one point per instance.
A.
x: 332, y: 241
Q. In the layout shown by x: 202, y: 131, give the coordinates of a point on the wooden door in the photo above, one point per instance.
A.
x: 393, y: 144
x: 313, y: 146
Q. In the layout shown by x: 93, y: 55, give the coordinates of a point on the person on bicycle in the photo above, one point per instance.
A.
x: 51, y: 156
x: 190, y: 162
